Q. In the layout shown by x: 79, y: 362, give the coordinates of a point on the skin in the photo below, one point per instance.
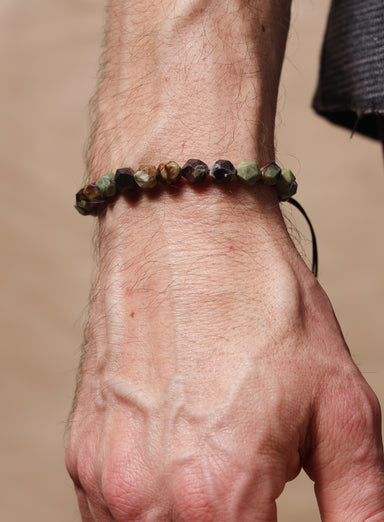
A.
x: 214, y: 368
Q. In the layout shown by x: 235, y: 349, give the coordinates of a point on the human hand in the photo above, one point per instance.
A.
x: 215, y: 369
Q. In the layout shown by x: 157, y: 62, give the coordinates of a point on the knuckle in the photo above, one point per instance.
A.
x: 374, y: 404
x: 364, y: 410
x: 77, y: 463
x: 126, y: 491
x: 71, y: 465
x: 190, y: 496
x: 86, y: 475
x: 357, y: 417
x: 200, y: 490
x: 70, y: 459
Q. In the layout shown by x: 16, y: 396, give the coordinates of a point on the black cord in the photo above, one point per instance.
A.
x: 315, y: 258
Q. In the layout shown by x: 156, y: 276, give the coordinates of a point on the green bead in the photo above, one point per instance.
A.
x: 106, y: 185
x: 146, y: 176
x: 286, y: 179
x: 248, y: 172
x: 286, y: 184
x: 270, y: 173
x: 293, y: 189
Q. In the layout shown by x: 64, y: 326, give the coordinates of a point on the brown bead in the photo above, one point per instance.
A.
x: 169, y: 173
x: 195, y: 171
x: 270, y: 173
x: 222, y: 171
x: 146, y: 176
x: 93, y: 193
x: 84, y: 205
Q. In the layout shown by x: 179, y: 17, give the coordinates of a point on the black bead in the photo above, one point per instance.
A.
x: 125, y: 181
x: 195, y: 171
x: 223, y: 171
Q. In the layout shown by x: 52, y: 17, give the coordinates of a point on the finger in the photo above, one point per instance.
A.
x: 346, y: 462
x: 214, y: 491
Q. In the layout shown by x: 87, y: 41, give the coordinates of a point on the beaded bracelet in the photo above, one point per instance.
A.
x: 94, y: 198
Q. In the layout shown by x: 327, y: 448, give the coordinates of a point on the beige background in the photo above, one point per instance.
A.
x: 48, y: 54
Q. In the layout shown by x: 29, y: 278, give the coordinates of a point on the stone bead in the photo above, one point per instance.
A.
x: 93, y: 193
x: 287, y: 176
x: 270, y: 173
x: 248, y: 172
x: 125, y: 180
x: 82, y: 204
x: 146, y: 176
x: 86, y: 206
x: 222, y: 171
x: 106, y: 184
x: 285, y: 184
x: 195, y: 171
x: 169, y: 173
x: 83, y: 211
x: 293, y: 189
x: 284, y: 196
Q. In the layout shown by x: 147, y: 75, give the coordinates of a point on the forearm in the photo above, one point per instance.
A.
x: 189, y: 78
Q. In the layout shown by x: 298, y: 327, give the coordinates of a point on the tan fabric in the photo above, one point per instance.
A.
x: 48, y: 55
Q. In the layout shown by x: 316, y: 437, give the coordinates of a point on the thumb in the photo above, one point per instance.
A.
x: 345, y: 458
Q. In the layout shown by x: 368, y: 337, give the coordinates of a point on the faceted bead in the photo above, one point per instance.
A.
x: 195, y: 171
x: 125, y: 180
x: 146, y: 176
x: 285, y: 184
x: 81, y: 210
x: 93, y: 193
x: 287, y: 176
x: 169, y: 173
x: 107, y: 185
x: 293, y: 189
x: 270, y: 173
x: 80, y: 197
x: 248, y: 172
x: 84, y: 205
x: 222, y: 171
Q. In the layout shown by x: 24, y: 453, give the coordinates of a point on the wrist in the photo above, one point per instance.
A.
x: 188, y: 235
